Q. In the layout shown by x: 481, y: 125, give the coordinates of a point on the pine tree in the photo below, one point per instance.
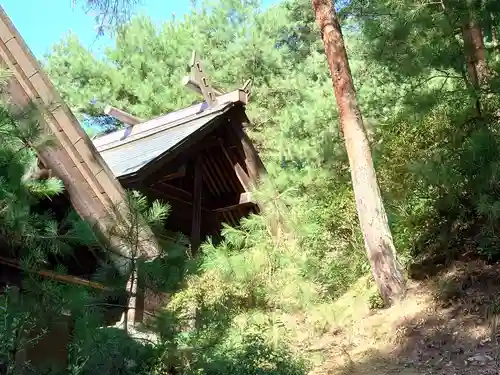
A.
x: 108, y: 14
x: 371, y: 212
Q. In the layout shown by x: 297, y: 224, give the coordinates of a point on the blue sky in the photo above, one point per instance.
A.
x: 43, y: 23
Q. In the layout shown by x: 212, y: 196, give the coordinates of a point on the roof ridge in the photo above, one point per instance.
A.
x: 138, y: 127
x: 129, y: 138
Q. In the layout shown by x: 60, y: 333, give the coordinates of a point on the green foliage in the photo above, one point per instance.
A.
x: 20, y: 225
x: 436, y: 157
x: 108, y: 13
x: 375, y: 301
x: 14, y: 320
x: 251, y: 355
x: 109, y: 351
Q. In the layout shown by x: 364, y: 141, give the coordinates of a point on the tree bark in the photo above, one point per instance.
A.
x: 372, y: 216
x: 475, y: 53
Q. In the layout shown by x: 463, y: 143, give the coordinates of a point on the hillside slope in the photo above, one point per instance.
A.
x: 446, y: 325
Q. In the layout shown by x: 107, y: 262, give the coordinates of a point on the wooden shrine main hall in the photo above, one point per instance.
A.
x: 198, y: 159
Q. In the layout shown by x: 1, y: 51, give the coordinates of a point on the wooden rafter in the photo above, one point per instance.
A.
x: 122, y: 116
x: 235, y: 207
x: 168, y: 192
x: 191, y: 84
x: 181, y: 172
x: 52, y: 275
x: 253, y: 162
x: 238, y: 170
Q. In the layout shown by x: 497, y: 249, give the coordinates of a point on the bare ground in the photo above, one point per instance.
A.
x: 446, y: 325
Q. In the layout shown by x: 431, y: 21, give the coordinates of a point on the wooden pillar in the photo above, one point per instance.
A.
x: 197, y: 193
x: 216, y: 226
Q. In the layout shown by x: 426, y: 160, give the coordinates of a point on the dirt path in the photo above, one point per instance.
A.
x: 447, y: 325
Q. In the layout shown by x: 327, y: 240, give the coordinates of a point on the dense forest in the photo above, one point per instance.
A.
x: 426, y: 80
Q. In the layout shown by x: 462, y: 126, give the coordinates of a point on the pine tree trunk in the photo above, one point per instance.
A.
x: 372, y: 217
x: 475, y: 53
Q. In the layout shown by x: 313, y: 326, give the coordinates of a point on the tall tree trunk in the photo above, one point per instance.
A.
x: 475, y: 53
x: 372, y: 217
